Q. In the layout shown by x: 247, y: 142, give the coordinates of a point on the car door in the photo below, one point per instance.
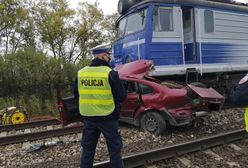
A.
x: 130, y: 105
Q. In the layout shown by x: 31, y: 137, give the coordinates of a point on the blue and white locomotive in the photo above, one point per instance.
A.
x: 184, y: 36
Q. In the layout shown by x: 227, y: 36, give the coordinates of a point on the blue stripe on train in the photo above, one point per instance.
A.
x: 166, y: 53
x: 171, y: 53
x: 224, y: 53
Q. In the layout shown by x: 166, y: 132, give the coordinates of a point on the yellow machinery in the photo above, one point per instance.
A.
x: 13, y: 115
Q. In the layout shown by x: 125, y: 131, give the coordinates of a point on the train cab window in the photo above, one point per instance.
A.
x: 209, y: 21
x: 163, y: 19
x: 121, y: 28
x: 187, y: 20
x: 145, y: 89
x: 136, y: 22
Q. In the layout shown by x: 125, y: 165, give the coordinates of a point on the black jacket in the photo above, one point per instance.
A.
x: 118, y: 90
x: 239, y: 95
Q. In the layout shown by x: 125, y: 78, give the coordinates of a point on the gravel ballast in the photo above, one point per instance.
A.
x: 68, y: 153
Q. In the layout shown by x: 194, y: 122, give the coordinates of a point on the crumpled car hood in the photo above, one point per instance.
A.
x: 136, y: 69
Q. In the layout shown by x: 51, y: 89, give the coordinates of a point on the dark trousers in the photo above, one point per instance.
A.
x: 91, y: 133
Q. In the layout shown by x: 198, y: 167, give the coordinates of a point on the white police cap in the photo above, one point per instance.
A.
x: 103, y: 48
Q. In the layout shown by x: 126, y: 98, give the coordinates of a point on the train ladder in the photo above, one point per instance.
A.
x: 246, y: 119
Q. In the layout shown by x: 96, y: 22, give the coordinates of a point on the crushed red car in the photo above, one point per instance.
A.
x: 151, y: 104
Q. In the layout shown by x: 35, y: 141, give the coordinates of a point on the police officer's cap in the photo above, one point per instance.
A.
x: 103, y: 48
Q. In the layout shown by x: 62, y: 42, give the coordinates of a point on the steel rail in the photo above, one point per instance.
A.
x: 39, y: 135
x: 29, y: 124
x: 151, y: 156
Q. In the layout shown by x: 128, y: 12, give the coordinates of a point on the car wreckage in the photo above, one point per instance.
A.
x: 151, y: 104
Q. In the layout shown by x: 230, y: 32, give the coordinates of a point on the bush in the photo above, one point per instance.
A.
x: 28, y: 78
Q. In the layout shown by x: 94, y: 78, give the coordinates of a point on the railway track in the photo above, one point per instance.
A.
x: 67, y: 154
x: 148, y: 157
x: 31, y: 124
x: 25, y: 137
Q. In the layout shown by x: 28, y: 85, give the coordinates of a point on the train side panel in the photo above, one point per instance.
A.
x: 223, y: 37
x: 209, y: 37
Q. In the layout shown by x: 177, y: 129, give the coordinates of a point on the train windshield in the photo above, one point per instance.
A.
x: 121, y: 28
x: 134, y: 22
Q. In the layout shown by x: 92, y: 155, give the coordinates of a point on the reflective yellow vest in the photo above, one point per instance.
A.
x: 246, y: 119
x: 95, y: 95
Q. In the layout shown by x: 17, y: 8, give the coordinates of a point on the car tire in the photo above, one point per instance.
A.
x: 124, y: 5
x: 153, y: 122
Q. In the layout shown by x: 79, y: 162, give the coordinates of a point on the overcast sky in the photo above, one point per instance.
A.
x: 110, y: 6
x: 244, y: 1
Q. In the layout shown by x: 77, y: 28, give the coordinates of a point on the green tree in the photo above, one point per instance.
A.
x: 41, y: 41
x: 53, y: 19
x: 89, y: 30
x: 12, y: 23
x: 109, y: 26
x: 1, y: 75
x: 22, y: 70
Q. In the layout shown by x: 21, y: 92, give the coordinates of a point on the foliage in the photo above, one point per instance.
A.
x: 44, y: 43
x: 16, y: 28
x: 28, y: 73
x: 53, y: 28
x: 52, y: 20
x: 67, y: 33
x: 109, y: 25
x: 88, y: 29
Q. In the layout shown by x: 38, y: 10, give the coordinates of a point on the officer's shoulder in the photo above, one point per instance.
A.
x: 113, y: 73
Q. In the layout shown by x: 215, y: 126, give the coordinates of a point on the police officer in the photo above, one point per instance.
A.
x: 100, y: 93
x: 240, y: 96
